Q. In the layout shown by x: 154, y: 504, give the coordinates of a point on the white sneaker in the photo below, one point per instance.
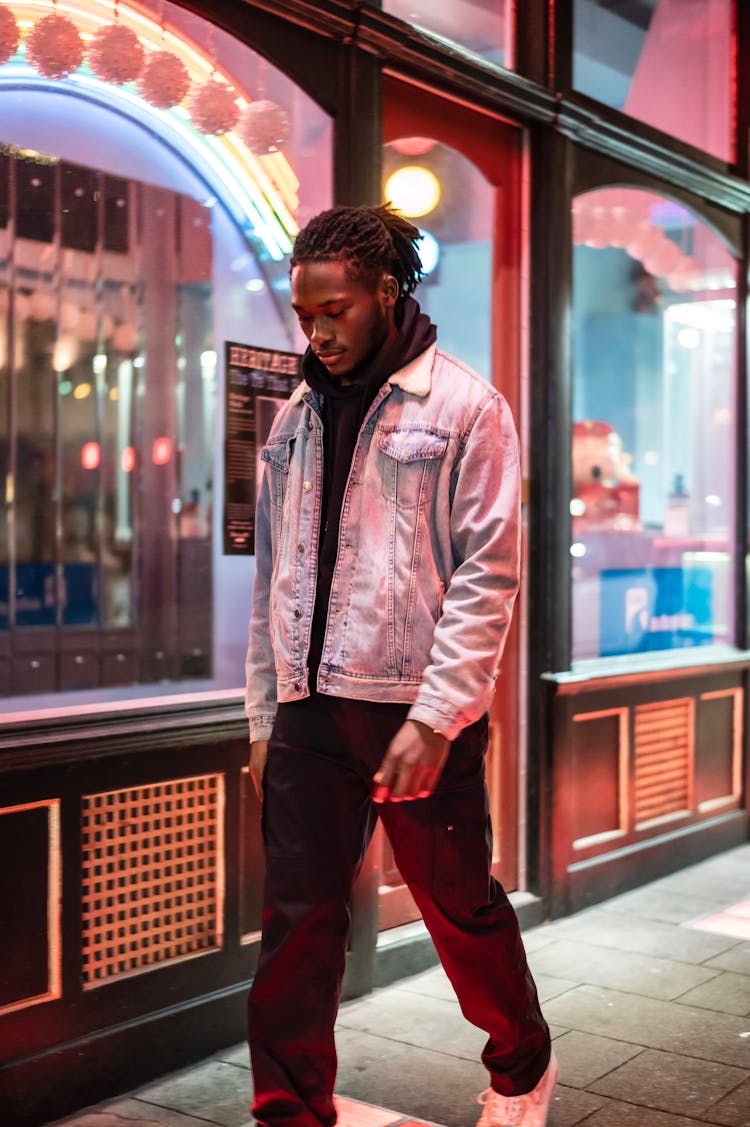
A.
x: 529, y: 1110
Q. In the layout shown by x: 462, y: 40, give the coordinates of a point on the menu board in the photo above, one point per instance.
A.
x: 258, y: 381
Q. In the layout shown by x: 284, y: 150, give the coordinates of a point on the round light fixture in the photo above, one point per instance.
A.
x: 413, y: 190
x: 429, y: 252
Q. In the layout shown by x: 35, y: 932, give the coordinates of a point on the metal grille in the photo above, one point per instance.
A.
x: 664, y: 738
x: 152, y: 875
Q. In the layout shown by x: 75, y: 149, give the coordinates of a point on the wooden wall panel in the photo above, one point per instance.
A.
x: 29, y: 844
x: 718, y: 748
x: 599, y: 756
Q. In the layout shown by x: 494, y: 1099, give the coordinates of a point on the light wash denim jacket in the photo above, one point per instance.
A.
x: 428, y: 559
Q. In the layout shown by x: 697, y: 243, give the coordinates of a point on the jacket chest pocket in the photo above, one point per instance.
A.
x: 409, y: 462
x: 277, y: 457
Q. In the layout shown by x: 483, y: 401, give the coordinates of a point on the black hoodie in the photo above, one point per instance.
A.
x: 344, y: 408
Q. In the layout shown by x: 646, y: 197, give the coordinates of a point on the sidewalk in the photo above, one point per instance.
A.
x: 648, y: 997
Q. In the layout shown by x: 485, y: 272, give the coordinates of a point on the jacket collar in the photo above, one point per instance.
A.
x: 415, y: 378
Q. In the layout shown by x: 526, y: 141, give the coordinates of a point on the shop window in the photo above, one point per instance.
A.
x: 451, y: 202
x: 483, y: 27
x: 652, y: 511
x: 667, y: 63
x: 135, y: 242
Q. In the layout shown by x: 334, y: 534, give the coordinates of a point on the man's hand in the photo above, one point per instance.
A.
x: 258, y: 754
x: 412, y: 765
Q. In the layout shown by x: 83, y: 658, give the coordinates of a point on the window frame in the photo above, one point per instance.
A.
x: 590, y: 172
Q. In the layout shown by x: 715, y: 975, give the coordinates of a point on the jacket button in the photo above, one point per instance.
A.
x: 307, y: 486
x: 300, y: 547
x: 297, y: 612
x: 297, y: 687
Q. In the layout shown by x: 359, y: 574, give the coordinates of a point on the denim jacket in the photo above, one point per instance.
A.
x: 428, y: 559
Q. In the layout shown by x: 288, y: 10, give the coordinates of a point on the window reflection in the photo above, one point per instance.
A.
x: 664, y: 62
x: 6, y: 344
x: 482, y: 26
x: 452, y: 204
x: 653, y: 448
x: 112, y: 314
x: 133, y: 245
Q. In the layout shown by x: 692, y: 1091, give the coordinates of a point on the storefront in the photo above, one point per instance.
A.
x: 579, y: 171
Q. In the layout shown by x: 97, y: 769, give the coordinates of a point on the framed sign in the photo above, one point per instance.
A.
x: 258, y: 381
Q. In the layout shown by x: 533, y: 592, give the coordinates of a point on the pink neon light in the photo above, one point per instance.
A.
x: 161, y: 451
x: 90, y: 455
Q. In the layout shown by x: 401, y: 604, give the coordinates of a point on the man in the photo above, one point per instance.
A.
x: 387, y: 568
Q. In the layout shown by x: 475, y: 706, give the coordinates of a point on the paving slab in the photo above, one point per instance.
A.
x: 238, y: 1055
x: 667, y: 1082
x: 570, y: 1106
x: 734, y: 1109
x: 213, y: 1090
x: 436, y: 984
x: 728, y: 993
x: 615, y: 1114
x: 426, y: 1023
x: 614, y: 930
x: 419, y: 1081
x: 539, y: 936
x: 654, y: 1024
x: 735, y: 958
x: 662, y: 904
x: 584, y: 1058
x: 630, y: 971
x: 130, y: 1113
x: 719, y: 887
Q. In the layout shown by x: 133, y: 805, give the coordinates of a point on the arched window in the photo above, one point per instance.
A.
x: 145, y: 225
x: 653, y: 503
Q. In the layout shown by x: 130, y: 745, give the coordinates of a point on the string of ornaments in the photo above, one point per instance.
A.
x: 55, y: 49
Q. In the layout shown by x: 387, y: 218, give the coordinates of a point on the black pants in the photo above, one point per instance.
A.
x: 318, y: 818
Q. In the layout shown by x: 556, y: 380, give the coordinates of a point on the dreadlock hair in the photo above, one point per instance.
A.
x: 368, y: 240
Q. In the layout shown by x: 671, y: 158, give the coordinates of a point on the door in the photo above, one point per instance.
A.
x: 458, y: 174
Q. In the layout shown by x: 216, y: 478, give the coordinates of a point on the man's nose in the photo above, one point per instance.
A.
x: 321, y: 331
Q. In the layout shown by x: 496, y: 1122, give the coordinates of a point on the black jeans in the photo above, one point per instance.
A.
x: 318, y: 819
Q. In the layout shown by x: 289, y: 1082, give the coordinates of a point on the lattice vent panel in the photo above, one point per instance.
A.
x: 152, y: 875
x: 664, y: 738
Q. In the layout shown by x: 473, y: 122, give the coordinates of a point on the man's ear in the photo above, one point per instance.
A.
x: 390, y: 289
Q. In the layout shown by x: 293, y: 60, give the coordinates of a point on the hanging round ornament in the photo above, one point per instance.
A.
x: 165, y: 80
x: 8, y: 35
x: 213, y: 107
x: 116, y: 54
x: 54, y: 47
x: 264, y: 127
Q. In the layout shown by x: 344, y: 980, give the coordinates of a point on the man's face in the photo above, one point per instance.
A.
x: 345, y: 323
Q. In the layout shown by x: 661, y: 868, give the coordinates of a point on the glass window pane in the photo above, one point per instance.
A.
x: 667, y: 63
x: 481, y: 26
x: 653, y: 501
x: 135, y: 242
x: 6, y: 342
x: 34, y: 472
x: 452, y: 203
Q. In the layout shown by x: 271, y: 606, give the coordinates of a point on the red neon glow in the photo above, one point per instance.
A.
x: 161, y: 451
x: 90, y: 455
x: 127, y: 459
x: 413, y: 146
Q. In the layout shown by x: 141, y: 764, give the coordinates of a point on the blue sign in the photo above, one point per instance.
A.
x: 655, y: 608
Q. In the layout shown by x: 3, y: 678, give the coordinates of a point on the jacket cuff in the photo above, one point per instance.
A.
x: 430, y: 713
x: 261, y: 726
